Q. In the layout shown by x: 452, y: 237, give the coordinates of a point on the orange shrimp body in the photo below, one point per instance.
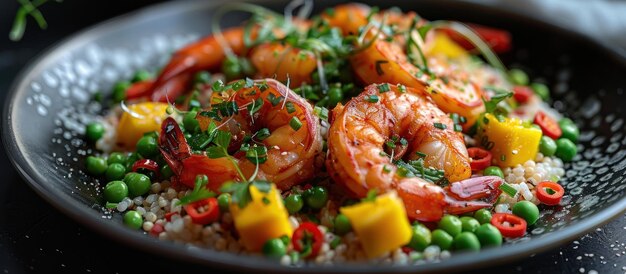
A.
x: 387, y: 62
x: 357, y: 159
x: 283, y: 62
x: 290, y: 151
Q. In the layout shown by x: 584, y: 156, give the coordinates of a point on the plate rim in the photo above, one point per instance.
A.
x: 125, y: 236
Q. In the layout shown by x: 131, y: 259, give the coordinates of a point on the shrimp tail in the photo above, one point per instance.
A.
x: 472, y: 194
x: 173, y: 145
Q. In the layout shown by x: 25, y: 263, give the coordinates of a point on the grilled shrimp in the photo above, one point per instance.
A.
x: 210, y: 52
x: 290, y: 150
x: 357, y: 159
x: 387, y: 62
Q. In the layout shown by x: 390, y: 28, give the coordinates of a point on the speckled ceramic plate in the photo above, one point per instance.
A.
x: 49, y: 104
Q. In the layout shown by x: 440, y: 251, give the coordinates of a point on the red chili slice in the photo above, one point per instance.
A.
x: 307, y: 239
x: 516, y: 226
x: 209, y: 213
x: 548, y: 198
x: 548, y: 126
x: 139, y: 89
x: 481, y: 158
x: 498, y: 40
x: 147, y: 164
x: 156, y: 229
x: 522, y: 94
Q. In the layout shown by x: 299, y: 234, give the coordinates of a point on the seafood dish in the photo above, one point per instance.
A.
x: 357, y: 134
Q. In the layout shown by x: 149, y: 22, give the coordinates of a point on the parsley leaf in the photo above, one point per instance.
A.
x: 199, y: 192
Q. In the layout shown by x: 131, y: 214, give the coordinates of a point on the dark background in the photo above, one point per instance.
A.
x: 36, y: 238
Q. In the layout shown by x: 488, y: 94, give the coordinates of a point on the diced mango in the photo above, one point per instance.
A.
x: 382, y: 225
x: 442, y: 44
x: 262, y: 219
x: 510, y: 142
x: 145, y: 117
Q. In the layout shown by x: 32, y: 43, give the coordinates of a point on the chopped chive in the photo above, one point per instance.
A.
x: 382, y: 88
x: 274, y: 100
x: 508, y: 189
x: 321, y: 112
x: 295, y: 123
x: 249, y: 83
x: 458, y: 128
x: 401, y: 88
x: 290, y: 107
x: 440, y: 126
x: 462, y: 119
x: 404, y: 142
x: 420, y: 154
x: 502, y: 157
x: 371, y: 98
x: 110, y: 205
x: 335, y: 242
x: 262, y: 134
x: 218, y: 86
x: 386, y: 169
x: 454, y: 117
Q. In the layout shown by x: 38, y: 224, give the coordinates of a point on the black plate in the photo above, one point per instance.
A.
x: 46, y: 111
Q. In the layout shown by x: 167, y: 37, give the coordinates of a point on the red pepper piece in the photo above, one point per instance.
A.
x: 553, y: 195
x: 307, y: 239
x: 147, y: 164
x: 481, y: 158
x: 515, y: 228
x: 548, y: 126
x: 203, y: 212
x: 522, y: 94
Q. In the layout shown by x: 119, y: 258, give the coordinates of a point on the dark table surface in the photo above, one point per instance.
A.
x: 37, y: 238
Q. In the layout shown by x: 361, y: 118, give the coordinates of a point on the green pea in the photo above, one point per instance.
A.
x: 483, y: 216
x: 96, y: 165
x: 547, y: 146
x: 493, y: 171
x: 147, y: 146
x: 222, y: 201
x: 274, y: 248
x: 116, y: 157
x: 451, y: 224
x: 569, y: 129
x: 565, y: 149
x: 541, y: 90
x: 130, y: 161
x: 316, y: 197
x: 138, y: 184
x: 94, y: 131
x: 166, y: 171
x: 421, y: 237
x: 488, y: 235
x: 335, y: 95
x: 442, y: 239
x: 469, y: 224
x: 115, y: 191
x: 119, y: 91
x: 518, y: 77
x: 115, y: 171
x: 342, y: 224
x: 294, y: 203
x: 232, y: 68
x: 190, y: 122
x: 141, y: 75
x: 466, y: 241
x: 133, y: 219
x: 526, y: 210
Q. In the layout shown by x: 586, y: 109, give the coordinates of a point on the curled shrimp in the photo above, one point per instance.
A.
x: 283, y: 62
x: 357, y: 159
x: 384, y: 61
x: 291, y: 151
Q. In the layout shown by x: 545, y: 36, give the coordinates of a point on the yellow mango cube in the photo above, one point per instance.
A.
x: 262, y: 219
x: 443, y: 45
x: 510, y: 142
x: 382, y: 225
x: 143, y: 117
